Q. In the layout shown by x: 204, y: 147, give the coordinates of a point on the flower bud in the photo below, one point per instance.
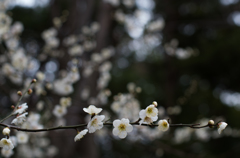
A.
x: 6, y: 131
x: 210, y: 123
x: 221, y: 126
x: 30, y: 91
x: 155, y: 103
x: 12, y: 107
x: 19, y: 93
x: 34, y: 80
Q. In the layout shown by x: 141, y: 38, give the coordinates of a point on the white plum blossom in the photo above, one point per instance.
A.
x: 62, y: 87
x: 121, y: 127
x: 76, y: 50
x: 221, y: 126
x: 145, y: 119
x: 59, y: 111
x: 163, y: 125
x: 21, y: 108
x: 92, y: 110
x: 65, y: 101
x: 22, y: 137
x: 80, y: 135
x: 19, y: 60
x: 6, y: 144
x: 96, y: 123
x: 6, y: 131
x: 17, y: 28
x: 151, y: 111
x: 20, y: 119
x: 7, y: 153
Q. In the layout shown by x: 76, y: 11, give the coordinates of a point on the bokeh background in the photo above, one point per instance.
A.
x: 182, y: 54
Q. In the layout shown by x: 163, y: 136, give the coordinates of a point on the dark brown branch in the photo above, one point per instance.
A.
x: 196, y: 126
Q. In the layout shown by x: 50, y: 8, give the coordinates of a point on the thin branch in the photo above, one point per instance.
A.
x: 19, y: 100
x: 196, y: 126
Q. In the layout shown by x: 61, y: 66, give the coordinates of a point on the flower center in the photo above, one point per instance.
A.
x: 164, y: 124
x: 147, y: 119
x: 5, y: 142
x: 94, y: 122
x: 149, y: 110
x: 122, y: 127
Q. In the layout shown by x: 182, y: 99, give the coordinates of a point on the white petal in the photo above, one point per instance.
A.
x: 85, y: 109
x: 142, y: 114
x: 154, y: 118
x: 129, y: 128
x: 115, y: 131
x: 122, y: 134
x: 116, y: 123
x: 126, y: 121
x: 101, y: 117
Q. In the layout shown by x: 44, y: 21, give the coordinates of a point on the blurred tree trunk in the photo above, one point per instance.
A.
x: 80, y: 14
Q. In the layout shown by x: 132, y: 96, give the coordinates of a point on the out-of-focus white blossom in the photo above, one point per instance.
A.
x: 156, y: 25
x: 52, y: 151
x: 7, y: 153
x: 59, y: 111
x: 62, y: 87
x: 95, y: 123
x: 105, y: 67
x: 17, y: 28
x: 70, y: 40
x: 131, y: 87
x: 85, y: 93
x: 6, y: 144
x: 87, y: 71
x: 40, y: 76
x: 5, y: 22
x: 19, y: 60
x: 40, y: 105
x: 22, y: 137
x: 113, y: 2
x: 163, y: 125
x: 95, y: 27
x: 20, y: 119
x: 57, y: 22
x: 33, y: 118
x: 221, y: 126
x: 129, y: 3
x: 89, y: 45
x: 126, y: 106
x: 120, y: 16
x: 121, y: 128
x: 92, y: 110
x: 96, y: 57
x: 76, y: 50
x: 12, y: 43
x: 21, y: 108
x: 106, y: 53
x: 6, y: 131
x: 182, y: 135
x: 73, y: 76
x: 80, y: 135
x: 65, y: 101
x: 49, y: 33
